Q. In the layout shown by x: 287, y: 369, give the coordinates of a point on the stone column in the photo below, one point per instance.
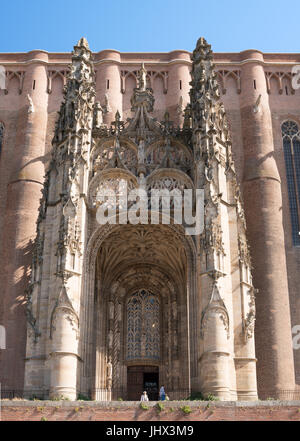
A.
x: 216, y: 355
x: 263, y: 208
x: 23, y: 195
x: 64, y: 354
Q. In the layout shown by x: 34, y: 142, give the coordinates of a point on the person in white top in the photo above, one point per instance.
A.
x: 144, y: 396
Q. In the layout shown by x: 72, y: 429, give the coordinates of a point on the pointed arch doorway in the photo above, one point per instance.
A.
x: 143, y: 294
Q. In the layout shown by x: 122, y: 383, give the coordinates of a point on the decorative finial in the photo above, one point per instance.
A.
x: 118, y: 124
x: 83, y: 43
x: 203, y: 51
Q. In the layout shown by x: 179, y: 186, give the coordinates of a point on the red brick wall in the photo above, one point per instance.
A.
x: 83, y: 411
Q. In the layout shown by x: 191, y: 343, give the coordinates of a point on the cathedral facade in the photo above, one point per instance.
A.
x: 107, y: 310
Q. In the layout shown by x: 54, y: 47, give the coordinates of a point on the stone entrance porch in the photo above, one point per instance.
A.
x: 139, y: 318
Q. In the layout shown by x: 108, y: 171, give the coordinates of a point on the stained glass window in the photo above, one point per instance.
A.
x: 143, y: 330
x: 291, y: 147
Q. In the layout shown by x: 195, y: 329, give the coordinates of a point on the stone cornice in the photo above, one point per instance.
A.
x: 148, y: 62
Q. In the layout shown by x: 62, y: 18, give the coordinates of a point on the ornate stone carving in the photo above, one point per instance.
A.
x: 208, y: 113
x: 142, y: 78
x: 76, y: 111
x: 69, y: 231
x: 216, y: 305
x: 159, y: 266
x: 30, y: 104
x: 118, y: 154
x: 111, y: 309
x: 29, y: 314
x: 143, y: 321
x: 244, y: 250
x: 211, y: 239
x: 180, y: 107
x: 249, y: 321
x: 98, y: 116
x: 110, y: 338
x: 38, y: 248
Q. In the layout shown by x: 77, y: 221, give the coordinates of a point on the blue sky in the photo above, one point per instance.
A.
x: 150, y: 26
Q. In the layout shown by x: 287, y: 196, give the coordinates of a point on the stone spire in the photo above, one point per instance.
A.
x: 76, y: 110
x: 207, y: 110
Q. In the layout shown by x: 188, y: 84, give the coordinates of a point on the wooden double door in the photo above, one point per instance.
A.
x: 142, y: 378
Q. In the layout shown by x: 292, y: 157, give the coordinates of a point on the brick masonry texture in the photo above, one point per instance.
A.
x: 130, y: 411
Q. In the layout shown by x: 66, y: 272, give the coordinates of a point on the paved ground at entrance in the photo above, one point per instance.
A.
x: 131, y: 411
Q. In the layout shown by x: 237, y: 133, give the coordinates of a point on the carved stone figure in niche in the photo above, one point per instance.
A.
x: 109, y: 372
x: 110, y: 339
x: 111, y: 310
x: 141, y: 152
x: 31, y: 106
x: 119, y: 309
x: 175, y: 339
x: 70, y: 112
x: 118, y: 341
x: 174, y: 311
x: 142, y: 181
x: 98, y: 115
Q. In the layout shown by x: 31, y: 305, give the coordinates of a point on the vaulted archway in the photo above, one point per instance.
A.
x: 142, y: 282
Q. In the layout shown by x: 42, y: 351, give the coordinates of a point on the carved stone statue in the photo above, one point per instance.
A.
x: 109, y: 372
x: 107, y: 107
x: 119, y: 309
x: 141, y: 152
x: 31, y: 106
x: 111, y: 310
x: 110, y: 339
x: 180, y: 106
x: 118, y: 341
x: 174, y: 311
x: 98, y: 115
x: 142, y: 75
x: 175, y: 339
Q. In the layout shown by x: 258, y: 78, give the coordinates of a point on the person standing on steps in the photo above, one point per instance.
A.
x: 162, y: 394
x: 144, y: 396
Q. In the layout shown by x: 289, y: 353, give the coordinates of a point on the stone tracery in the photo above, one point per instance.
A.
x: 143, y: 326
